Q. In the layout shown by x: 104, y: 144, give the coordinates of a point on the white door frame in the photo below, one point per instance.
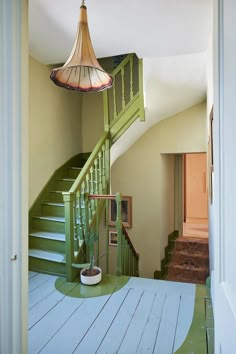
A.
x: 13, y: 176
x: 222, y: 211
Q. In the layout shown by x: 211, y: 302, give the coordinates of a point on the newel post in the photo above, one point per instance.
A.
x: 69, y: 199
x: 119, y: 234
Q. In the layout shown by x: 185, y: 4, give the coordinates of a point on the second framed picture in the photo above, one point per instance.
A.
x: 126, y: 211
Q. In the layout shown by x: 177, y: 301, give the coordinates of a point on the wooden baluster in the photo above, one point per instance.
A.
x: 79, y: 216
x: 114, y: 101
x: 126, y: 258
x: 123, y: 87
x: 82, y: 201
x: 100, y: 171
x: 86, y: 223
x: 103, y: 167
x: 141, y: 99
x: 107, y: 234
x: 132, y: 263
x: 131, y: 77
x: 106, y: 110
x: 97, y: 231
x: 119, y: 235
x: 96, y: 176
x: 92, y: 191
x: 69, y: 199
x: 107, y: 160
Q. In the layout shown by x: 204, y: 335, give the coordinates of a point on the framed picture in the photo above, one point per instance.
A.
x: 112, y: 238
x: 126, y: 211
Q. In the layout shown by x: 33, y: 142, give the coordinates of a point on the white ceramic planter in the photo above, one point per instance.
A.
x: 95, y: 279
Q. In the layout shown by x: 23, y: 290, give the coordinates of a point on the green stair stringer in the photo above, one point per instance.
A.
x: 161, y: 274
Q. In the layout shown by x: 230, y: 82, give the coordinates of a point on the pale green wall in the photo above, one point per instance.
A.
x: 146, y: 173
x: 92, y: 122
x: 55, y: 126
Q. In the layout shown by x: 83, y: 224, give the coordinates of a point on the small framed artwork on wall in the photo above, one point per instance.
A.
x: 126, y: 211
x: 112, y: 238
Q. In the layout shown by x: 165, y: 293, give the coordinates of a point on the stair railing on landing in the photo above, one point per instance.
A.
x: 93, y: 179
x: 127, y: 257
x: 124, y: 102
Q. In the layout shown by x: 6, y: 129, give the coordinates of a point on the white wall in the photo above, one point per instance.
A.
x: 146, y: 172
x: 55, y: 126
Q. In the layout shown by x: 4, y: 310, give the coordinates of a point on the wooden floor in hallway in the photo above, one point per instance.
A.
x: 144, y: 316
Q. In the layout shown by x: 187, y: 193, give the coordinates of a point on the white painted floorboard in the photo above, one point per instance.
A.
x: 145, y: 316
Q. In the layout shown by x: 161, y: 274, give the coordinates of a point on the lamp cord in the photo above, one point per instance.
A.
x: 83, y: 3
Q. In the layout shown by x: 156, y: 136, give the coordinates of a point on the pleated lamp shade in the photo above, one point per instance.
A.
x: 82, y: 72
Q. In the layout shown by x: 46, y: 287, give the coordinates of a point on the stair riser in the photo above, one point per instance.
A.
x: 72, y: 173
x: 46, y: 244
x: 45, y: 266
x: 192, y: 247
x: 55, y: 197
x: 195, y: 261
x: 48, y: 225
x: 63, y: 185
x: 53, y: 210
x: 188, y: 274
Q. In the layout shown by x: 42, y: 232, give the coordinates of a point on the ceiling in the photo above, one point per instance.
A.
x: 171, y: 36
x: 149, y: 28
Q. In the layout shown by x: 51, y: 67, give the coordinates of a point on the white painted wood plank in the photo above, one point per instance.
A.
x: 118, y: 328
x: 185, y: 318
x: 166, y: 334
x: 133, y: 334
x: 38, y: 294
x: 76, y: 327
x: 160, y: 285
x: 31, y: 274
x: 42, y: 332
x: 37, y: 281
x: 148, y: 338
x: 37, y: 312
x: 96, y: 333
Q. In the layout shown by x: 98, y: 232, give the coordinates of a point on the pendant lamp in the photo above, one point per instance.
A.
x: 82, y: 72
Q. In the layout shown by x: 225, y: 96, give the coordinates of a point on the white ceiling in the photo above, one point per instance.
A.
x: 149, y: 28
x: 171, y: 36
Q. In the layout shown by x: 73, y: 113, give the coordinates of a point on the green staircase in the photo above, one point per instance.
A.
x: 74, y: 200
x: 47, y: 220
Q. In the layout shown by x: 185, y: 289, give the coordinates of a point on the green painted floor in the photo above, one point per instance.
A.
x: 120, y: 315
x: 108, y: 285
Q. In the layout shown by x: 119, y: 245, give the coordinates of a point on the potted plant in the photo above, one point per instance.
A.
x: 91, y: 275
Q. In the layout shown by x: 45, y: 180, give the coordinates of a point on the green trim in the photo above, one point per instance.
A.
x: 195, y: 342
x: 160, y: 274
x: 108, y: 285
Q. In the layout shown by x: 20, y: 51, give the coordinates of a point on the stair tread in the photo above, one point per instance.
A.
x: 48, y: 235
x: 75, y: 168
x: 55, y: 191
x: 187, y: 267
x: 50, y: 218
x: 68, y: 179
x: 47, y: 255
x: 53, y: 204
x: 192, y: 239
x: 188, y: 254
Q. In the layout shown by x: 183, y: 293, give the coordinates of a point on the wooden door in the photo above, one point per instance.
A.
x: 196, y: 199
